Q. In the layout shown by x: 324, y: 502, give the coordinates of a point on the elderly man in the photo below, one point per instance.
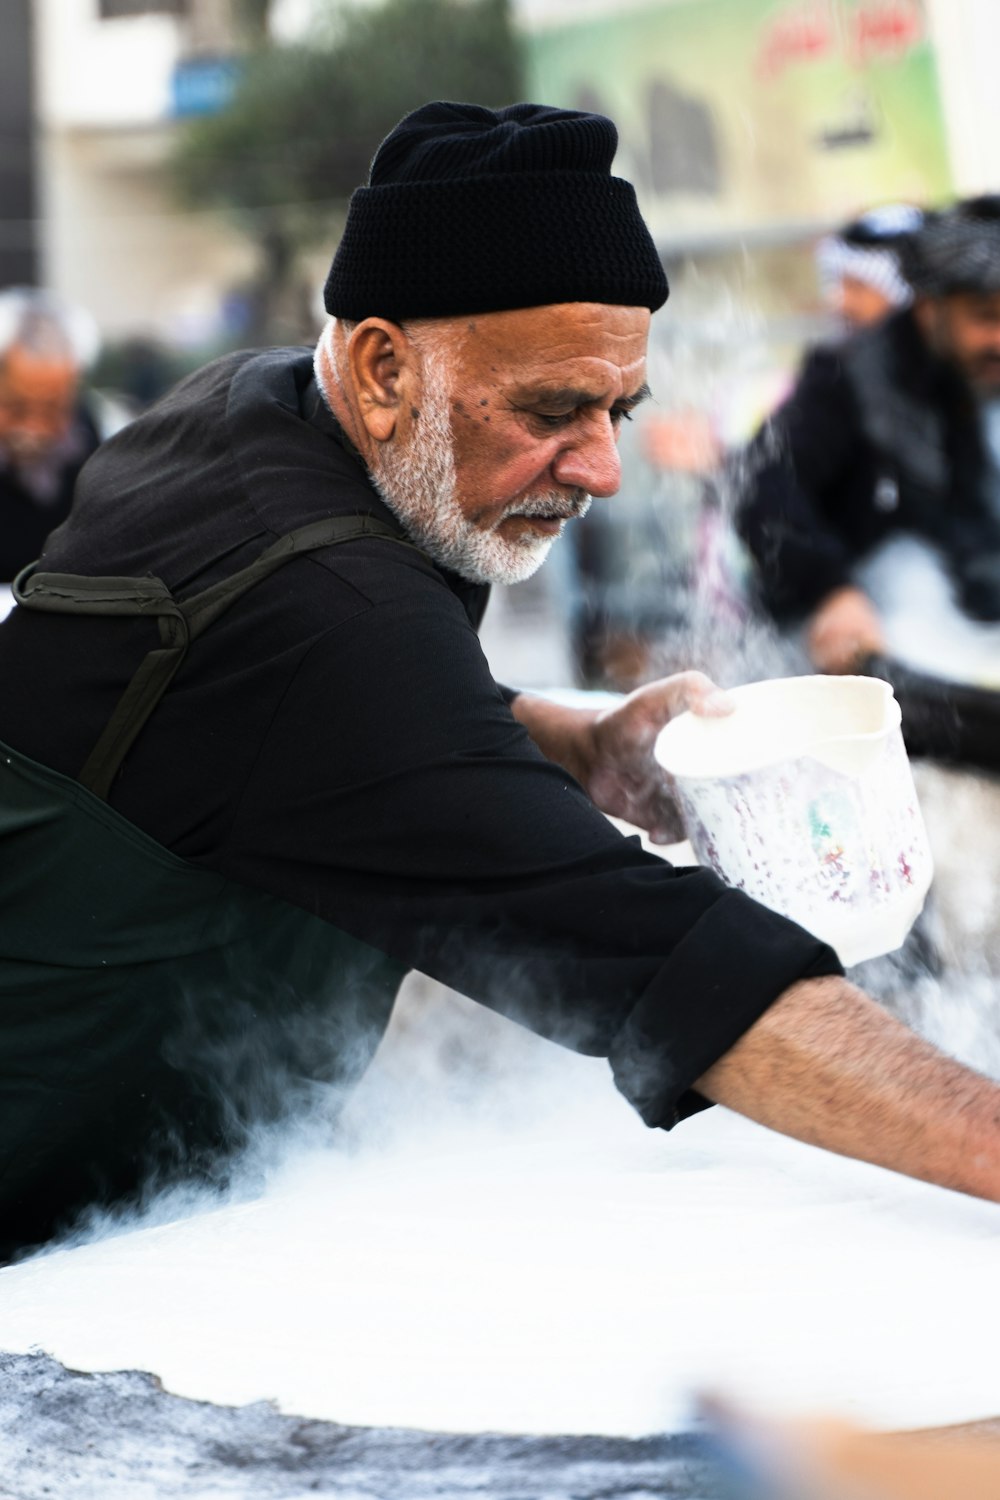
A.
x: 894, y: 431
x: 256, y: 766
x: 46, y: 430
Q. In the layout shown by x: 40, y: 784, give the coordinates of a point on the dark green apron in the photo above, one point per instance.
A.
x: 153, y: 1012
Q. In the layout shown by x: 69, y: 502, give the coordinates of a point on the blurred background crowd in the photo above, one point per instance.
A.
x: 174, y: 175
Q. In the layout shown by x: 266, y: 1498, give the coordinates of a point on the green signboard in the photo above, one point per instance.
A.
x: 736, y: 114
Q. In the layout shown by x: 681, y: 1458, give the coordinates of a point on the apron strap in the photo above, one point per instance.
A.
x: 179, y: 621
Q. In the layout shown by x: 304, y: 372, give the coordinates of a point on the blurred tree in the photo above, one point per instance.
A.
x: 300, y: 131
x: 255, y: 17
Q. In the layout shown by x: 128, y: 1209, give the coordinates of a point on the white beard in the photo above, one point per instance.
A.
x: 418, y: 484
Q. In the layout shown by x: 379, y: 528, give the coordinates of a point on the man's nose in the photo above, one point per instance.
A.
x: 592, y: 462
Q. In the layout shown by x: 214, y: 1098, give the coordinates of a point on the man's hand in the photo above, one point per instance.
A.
x: 812, y: 1458
x: 610, y: 751
x: 844, y: 631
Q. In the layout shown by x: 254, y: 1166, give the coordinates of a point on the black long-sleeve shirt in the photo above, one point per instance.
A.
x: 337, y: 739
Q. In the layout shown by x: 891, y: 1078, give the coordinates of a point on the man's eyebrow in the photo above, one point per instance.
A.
x: 568, y: 397
x: 642, y: 394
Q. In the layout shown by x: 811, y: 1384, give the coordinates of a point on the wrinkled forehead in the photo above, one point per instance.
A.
x: 30, y: 377
x: 604, y: 342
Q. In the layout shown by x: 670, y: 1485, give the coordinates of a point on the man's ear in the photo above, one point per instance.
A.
x: 385, y: 375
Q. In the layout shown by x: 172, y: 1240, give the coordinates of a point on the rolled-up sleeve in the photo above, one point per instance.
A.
x: 722, y: 976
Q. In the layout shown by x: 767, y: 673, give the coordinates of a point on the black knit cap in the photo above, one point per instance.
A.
x: 473, y: 210
x: 958, y: 250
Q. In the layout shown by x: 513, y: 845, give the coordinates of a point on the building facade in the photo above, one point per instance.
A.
x: 747, y: 135
x: 113, y: 79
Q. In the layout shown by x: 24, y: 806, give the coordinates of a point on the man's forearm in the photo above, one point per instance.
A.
x: 827, y: 1065
x: 610, y: 750
x: 557, y: 730
x: 824, y: 1063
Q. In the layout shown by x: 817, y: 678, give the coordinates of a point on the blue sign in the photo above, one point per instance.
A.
x: 202, y: 86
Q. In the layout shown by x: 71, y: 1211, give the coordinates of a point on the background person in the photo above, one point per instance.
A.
x: 859, y: 266
x: 625, y: 577
x: 47, y: 430
x: 891, y: 432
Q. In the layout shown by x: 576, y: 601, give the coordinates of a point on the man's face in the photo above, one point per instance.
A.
x: 517, y: 426
x: 965, y: 328
x: 36, y: 403
x: 859, y: 303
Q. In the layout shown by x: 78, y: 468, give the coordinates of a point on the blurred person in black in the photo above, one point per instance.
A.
x: 894, y: 434
x: 47, y: 431
x: 894, y: 431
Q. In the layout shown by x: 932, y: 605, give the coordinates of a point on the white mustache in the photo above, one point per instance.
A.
x: 555, y: 507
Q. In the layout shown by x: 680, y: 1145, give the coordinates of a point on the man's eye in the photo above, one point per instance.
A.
x: 553, y: 419
x: 619, y: 412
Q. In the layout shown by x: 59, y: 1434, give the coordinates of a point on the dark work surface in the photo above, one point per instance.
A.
x: 66, y: 1436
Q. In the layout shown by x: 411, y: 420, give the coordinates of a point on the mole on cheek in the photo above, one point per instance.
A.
x: 415, y: 413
